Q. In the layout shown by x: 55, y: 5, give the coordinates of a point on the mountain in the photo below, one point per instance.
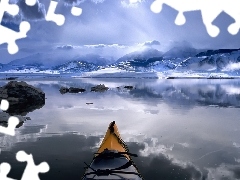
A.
x: 94, y: 59
x: 180, y: 52
x: 211, y: 60
x: 56, y: 60
x: 76, y: 67
x: 57, y: 57
x: 213, y: 52
x: 180, y: 59
x: 141, y: 55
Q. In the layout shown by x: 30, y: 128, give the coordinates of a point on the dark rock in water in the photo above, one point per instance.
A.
x: 63, y: 90
x: 4, y: 117
x: 11, y: 78
x: 76, y: 90
x: 89, y: 103
x: 22, y: 97
x: 128, y: 87
x: 99, y: 88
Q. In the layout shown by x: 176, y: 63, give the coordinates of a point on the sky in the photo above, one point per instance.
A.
x: 112, y: 28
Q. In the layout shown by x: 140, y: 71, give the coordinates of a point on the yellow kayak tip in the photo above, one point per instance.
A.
x: 113, y: 141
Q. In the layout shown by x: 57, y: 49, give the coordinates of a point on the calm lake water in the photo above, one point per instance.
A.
x: 181, y: 129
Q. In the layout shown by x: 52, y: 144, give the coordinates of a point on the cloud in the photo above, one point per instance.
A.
x: 73, y: 2
x: 182, y: 44
x: 236, y: 145
x: 65, y: 47
x: 223, y: 172
x: 77, y: 2
x: 152, y: 43
x: 32, y: 13
x: 237, y: 160
x: 161, y: 166
x: 131, y: 3
x: 232, y: 67
x: 151, y: 146
x: 28, y: 13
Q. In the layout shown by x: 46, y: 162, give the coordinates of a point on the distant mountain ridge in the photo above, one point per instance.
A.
x: 180, y: 59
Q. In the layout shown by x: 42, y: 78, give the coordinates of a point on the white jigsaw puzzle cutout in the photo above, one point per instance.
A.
x: 12, y: 121
x: 31, y: 171
x: 7, y: 35
x: 210, y: 9
x: 4, y: 170
x: 59, y: 19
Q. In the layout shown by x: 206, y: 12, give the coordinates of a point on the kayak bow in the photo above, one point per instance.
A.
x: 112, y: 160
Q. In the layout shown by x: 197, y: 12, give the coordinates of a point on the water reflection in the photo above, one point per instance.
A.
x: 22, y: 100
x: 180, y: 129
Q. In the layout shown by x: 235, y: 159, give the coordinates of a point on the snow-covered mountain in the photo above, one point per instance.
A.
x: 211, y: 60
x: 177, y: 59
x: 149, y: 59
x: 180, y: 52
x: 141, y: 55
x: 76, y: 67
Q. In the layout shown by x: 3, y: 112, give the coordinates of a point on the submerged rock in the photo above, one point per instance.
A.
x: 22, y: 97
x: 76, y: 90
x: 64, y: 90
x: 4, y: 117
x: 99, y: 88
x: 128, y: 87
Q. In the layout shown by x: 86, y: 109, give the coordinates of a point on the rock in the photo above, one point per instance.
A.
x: 76, y: 90
x: 22, y: 97
x: 11, y: 78
x: 89, y: 103
x: 63, y: 90
x: 4, y: 117
x: 128, y: 87
x: 99, y: 88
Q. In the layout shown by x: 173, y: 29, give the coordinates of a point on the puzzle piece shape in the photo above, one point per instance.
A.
x: 12, y: 121
x: 4, y: 105
x: 76, y: 11
x: 4, y: 170
x: 31, y: 2
x: 59, y: 19
x: 12, y: 9
x: 31, y: 171
x: 7, y: 35
x: 210, y: 9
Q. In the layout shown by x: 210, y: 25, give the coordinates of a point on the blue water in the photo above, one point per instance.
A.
x: 181, y: 129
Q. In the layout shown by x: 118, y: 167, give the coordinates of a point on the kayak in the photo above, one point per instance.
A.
x: 113, y: 159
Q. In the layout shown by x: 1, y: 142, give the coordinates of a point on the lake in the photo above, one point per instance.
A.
x: 180, y: 128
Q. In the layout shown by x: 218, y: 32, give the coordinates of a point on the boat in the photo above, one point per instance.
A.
x: 113, y: 159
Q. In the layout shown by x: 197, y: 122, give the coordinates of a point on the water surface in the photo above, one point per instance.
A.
x: 181, y: 129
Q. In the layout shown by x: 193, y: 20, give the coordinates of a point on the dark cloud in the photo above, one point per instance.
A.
x: 73, y: 2
x: 223, y: 172
x: 65, y: 155
x: 77, y: 2
x: 152, y: 43
x: 163, y: 167
x: 27, y: 13
x: 65, y: 47
x: 32, y: 13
